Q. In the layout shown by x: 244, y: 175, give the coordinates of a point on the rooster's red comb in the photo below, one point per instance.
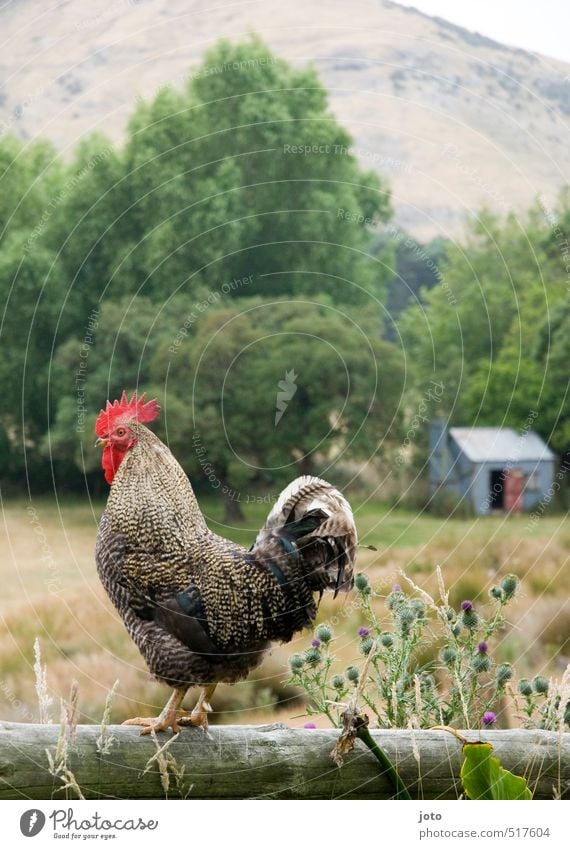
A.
x: 133, y: 410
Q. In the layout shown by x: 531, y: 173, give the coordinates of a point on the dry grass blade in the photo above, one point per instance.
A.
x: 72, y: 711
x: 58, y: 762
x: 168, y: 766
x: 105, y: 740
x: 422, y: 593
x: 44, y: 699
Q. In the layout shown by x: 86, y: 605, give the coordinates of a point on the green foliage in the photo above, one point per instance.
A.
x: 483, y: 777
x: 218, y: 191
x: 121, y: 346
x: 340, y: 396
x: 295, y: 173
x: 495, y: 330
x: 414, y: 268
x: 28, y: 176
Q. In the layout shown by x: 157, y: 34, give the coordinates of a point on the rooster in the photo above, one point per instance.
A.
x: 200, y: 608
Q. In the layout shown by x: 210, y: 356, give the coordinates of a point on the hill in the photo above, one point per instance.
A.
x: 452, y: 118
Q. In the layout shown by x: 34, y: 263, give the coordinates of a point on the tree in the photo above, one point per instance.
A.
x: 28, y: 303
x: 414, y: 267
x: 29, y: 176
x: 529, y: 384
x: 118, y: 351
x: 281, y: 388
x: 247, y: 173
x: 493, y: 331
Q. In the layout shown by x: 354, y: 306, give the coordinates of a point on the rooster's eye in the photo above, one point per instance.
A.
x: 121, y: 431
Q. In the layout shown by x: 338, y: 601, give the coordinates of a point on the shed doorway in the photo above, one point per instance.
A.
x: 497, y: 489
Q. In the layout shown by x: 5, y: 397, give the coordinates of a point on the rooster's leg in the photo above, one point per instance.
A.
x: 167, y: 719
x: 199, y: 715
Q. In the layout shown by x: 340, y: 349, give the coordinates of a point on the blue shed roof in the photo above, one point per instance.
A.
x: 500, y: 445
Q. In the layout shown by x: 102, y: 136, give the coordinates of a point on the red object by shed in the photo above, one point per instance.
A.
x: 513, y: 488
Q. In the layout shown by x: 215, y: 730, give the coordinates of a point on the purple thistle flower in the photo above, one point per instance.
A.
x: 489, y: 718
x: 315, y: 643
x: 309, y: 725
x: 363, y: 632
x: 396, y: 588
x: 466, y: 605
x: 483, y: 648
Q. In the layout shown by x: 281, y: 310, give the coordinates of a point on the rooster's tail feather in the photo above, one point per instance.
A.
x: 312, y: 521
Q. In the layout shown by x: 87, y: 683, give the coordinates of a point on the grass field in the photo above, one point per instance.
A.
x: 50, y: 590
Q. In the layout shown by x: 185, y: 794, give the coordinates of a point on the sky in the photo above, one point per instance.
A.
x: 542, y: 26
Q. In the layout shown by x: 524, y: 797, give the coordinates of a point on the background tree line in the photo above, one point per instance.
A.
x: 204, y: 259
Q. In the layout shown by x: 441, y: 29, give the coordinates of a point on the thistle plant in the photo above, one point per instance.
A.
x: 312, y: 672
x: 545, y: 704
x: 462, y: 683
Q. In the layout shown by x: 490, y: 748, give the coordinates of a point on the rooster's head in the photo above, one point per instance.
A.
x: 115, y: 430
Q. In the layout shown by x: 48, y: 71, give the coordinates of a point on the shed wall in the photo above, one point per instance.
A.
x: 538, y: 480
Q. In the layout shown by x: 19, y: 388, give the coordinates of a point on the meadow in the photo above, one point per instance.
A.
x: 51, y: 591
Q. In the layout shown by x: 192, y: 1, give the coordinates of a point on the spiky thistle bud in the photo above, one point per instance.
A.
x: 361, y: 582
x: 509, y: 585
x: 352, y: 674
x: 407, y: 616
x: 395, y: 598
x: 324, y: 634
x: 313, y: 656
x: 449, y: 655
x: 296, y: 662
x: 470, y: 617
x: 540, y: 685
x: 525, y: 687
x: 481, y: 662
x: 419, y: 607
x: 504, y: 673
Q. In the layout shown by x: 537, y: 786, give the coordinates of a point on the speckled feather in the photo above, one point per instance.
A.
x: 158, y: 560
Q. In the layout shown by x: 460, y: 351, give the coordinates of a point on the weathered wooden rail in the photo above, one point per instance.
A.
x: 272, y: 761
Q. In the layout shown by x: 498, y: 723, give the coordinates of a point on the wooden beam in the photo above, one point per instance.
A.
x: 271, y: 761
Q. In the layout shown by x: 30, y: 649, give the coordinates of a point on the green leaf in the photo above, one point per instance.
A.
x: 483, y: 777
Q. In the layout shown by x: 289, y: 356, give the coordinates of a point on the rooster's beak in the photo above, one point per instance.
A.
x: 101, y: 442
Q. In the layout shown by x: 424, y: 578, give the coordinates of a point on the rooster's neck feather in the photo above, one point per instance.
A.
x: 151, y: 499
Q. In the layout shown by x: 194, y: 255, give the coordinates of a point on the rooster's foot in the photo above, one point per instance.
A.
x: 156, y: 723
x: 198, y: 717
x: 168, y: 717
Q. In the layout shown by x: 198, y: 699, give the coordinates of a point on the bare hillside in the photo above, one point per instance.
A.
x: 453, y: 119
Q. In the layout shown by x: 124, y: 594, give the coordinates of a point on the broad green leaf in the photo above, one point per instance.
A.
x: 483, y: 777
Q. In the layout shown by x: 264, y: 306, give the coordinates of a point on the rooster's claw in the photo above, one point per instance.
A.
x: 155, y: 723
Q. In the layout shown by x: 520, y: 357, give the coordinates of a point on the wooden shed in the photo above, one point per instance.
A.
x: 494, y: 468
